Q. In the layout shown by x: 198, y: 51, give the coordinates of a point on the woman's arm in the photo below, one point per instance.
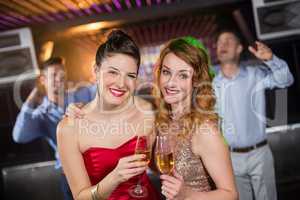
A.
x: 75, y: 171
x: 209, y: 144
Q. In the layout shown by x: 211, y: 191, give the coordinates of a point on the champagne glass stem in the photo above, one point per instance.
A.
x: 138, y: 187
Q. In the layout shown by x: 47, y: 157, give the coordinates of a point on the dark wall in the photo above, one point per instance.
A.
x: 286, y: 151
x: 289, y: 50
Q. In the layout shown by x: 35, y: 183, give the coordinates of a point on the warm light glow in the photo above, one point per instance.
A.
x: 91, y: 27
x: 46, y: 51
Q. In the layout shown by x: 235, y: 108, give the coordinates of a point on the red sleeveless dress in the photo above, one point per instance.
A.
x: 101, y: 161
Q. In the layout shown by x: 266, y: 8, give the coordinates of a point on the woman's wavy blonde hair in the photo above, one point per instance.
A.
x: 203, y: 98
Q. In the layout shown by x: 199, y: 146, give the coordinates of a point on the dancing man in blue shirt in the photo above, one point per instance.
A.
x: 45, y: 107
x: 241, y: 106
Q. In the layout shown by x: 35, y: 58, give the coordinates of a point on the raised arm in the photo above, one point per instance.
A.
x: 29, y: 125
x: 277, y: 74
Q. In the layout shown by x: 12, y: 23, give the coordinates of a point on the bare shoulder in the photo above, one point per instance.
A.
x: 206, y: 136
x: 66, y: 128
x: 207, y: 128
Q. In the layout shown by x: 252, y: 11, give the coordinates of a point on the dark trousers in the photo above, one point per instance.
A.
x: 65, y: 187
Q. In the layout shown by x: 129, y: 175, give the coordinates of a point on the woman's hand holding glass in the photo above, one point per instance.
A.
x: 172, y: 186
x: 164, y: 157
x: 129, y: 167
x: 143, y: 147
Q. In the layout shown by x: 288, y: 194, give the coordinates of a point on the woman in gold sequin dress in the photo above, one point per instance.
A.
x: 185, y: 102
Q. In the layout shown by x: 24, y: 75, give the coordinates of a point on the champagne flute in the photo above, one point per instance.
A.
x: 164, y: 154
x: 143, y: 146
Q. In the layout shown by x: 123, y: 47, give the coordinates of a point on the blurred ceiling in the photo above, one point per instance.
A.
x: 67, y: 13
x: 18, y: 13
x: 86, y: 22
x: 157, y: 32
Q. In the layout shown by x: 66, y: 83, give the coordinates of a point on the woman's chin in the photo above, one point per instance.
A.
x: 115, y: 102
x: 171, y: 100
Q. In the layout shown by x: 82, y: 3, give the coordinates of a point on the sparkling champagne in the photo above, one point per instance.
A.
x: 147, y: 152
x: 165, y: 162
x: 143, y: 146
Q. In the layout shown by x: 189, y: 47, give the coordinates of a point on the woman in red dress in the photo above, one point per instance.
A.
x: 98, y: 151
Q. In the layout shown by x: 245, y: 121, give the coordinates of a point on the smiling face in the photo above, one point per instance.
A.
x: 229, y: 48
x: 117, y: 82
x: 175, y: 80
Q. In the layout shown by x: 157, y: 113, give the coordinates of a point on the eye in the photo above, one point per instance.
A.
x: 132, y: 76
x: 165, y: 72
x: 183, y: 76
x: 112, y: 72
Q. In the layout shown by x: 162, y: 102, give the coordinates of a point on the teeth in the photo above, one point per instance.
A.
x: 172, y: 91
x: 117, y: 92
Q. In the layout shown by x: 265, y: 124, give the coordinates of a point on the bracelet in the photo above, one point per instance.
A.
x: 95, y: 195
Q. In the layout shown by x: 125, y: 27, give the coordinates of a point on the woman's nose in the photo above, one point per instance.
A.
x: 121, y: 82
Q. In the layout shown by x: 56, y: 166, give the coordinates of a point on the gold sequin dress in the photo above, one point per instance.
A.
x: 189, y: 165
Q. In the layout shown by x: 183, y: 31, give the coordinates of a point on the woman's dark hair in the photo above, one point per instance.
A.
x: 118, y: 42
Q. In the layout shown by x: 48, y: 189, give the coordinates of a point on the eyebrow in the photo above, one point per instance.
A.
x: 114, y: 68
x: 182, y: 70
x: 131, y: 73
x: 165, y: 66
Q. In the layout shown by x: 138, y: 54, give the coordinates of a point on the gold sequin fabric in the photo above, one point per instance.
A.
x: 190, y: 166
